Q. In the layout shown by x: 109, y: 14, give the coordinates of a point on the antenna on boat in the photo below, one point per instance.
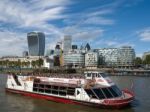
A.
x: 132, y: 86
x: 39, y: 64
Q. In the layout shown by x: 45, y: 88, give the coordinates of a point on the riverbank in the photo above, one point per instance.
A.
x: 110, y: 71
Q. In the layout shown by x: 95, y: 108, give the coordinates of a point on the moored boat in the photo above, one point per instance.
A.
x: 91, y: 88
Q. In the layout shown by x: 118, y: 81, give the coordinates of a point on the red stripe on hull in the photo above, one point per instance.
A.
x: 63, y: 100
x: 41, y: 96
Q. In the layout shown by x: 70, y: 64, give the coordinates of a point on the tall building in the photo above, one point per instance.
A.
x: 127, y: 56
x: 67, y: 43
x: 74, y: 47
x: 36, y: 43
x: 85, y: 48
x: 58, y: 49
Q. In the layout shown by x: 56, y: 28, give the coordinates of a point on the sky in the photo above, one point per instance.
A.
x: 101, y: 23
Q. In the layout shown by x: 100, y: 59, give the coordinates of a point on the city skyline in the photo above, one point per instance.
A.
x: 100, y: 23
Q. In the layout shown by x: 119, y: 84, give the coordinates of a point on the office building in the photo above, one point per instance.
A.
x: 108, y: 56
x: 67, y: 44
x: 91, y: 60
x: 36, y: 43
x: 123, y: 56
x: 74, y: 47
x: 74, y: 60
x: 127, y: 56
x: 85, y: 48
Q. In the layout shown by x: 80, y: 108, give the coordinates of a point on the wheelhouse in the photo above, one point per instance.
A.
x: 104, y: 93
x: 91, y: 75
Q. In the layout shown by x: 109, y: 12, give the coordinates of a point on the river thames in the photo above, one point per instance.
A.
x: 17, y: 103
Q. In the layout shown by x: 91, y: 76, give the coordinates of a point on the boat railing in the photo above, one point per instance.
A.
x: 56, y: 75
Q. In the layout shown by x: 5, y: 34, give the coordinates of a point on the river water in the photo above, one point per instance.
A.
x: 17, y: 103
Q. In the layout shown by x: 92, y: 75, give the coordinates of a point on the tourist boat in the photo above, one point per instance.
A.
x: 92, y: 88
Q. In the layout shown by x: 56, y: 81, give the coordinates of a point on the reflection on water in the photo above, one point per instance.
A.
x: 17, y: 103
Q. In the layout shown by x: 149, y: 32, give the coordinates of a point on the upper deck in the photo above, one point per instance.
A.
x: 85, y: 75
x: 87, y: 80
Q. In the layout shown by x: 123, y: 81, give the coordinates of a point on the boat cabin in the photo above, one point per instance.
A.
x: 91, y: 75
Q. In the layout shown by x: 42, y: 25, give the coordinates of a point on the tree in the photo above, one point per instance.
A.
x: 6, y: 62
x: 147, y: 60
x: 27, y: 64
x: 33, y: 63
x: 40, y: 62
x: 137, y: 61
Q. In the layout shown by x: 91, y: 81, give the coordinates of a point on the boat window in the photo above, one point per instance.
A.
x: 117, y: 90
x: 99, y: 93
x: 55, y: 92
x: 35, y: 89
x: 107, y: 93
x: 113, y: 92
x: 99, y: 75
x: 41, y: 90
x: 62, y: 88
x: 62, y: 93
x: 41, y: 85
x: 70, y: 91
x: 103, y: 75
x: 90, y: 93
x: 93, y: 74
x: 47, y: 91
x: 48, y: 86
x: 35, y: 85
x: 88, y: 74
x: 55, y: 87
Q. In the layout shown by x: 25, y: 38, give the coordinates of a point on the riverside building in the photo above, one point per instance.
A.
x: 127, y: 56
x: 74, y: 59
x: 123, y: 56
x: 108, y: 56
x: 91, y: 60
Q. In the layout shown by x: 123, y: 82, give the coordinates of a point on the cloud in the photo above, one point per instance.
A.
x: 83, y: 33
x: 99, y: 21
x: 12, y: 43
x: 53, y: 17
x: 115, y: 43
x: 144, y: 34
x: 91, y: 17
x: 139, y: 55
x: 21, y: 16
x: 112, y: 43
x: 31, y: 13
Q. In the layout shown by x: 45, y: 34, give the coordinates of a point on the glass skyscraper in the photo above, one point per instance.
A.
x: 36, y: 43
x: 67, y: 43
